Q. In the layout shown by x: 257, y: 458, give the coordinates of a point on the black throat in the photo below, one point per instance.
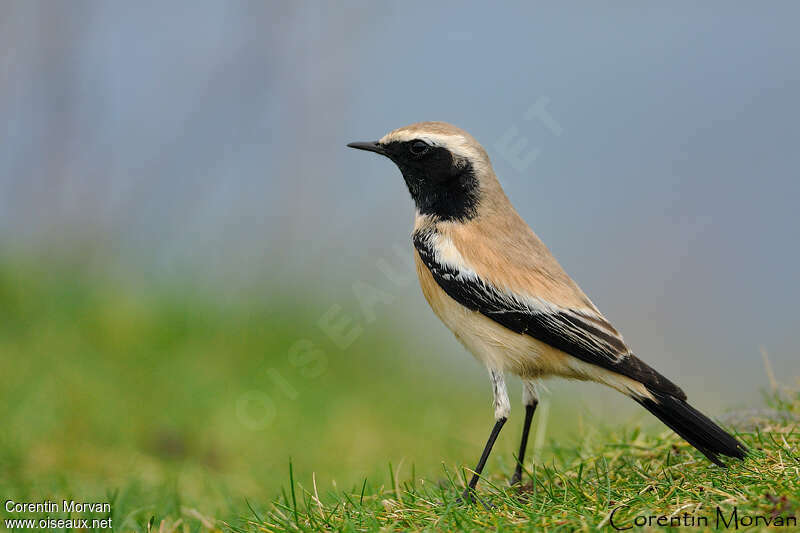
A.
x: 440, y: 185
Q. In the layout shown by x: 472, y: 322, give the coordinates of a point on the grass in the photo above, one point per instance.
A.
x: 182, y: 411
x: 641, y: 475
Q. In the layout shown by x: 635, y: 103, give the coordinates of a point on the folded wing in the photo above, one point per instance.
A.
x: 581, y: 333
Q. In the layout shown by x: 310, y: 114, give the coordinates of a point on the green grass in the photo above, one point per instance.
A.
x: 576, y: 489
x: 145, y: 396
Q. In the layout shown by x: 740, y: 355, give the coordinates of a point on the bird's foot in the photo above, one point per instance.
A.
x: 469, y: 497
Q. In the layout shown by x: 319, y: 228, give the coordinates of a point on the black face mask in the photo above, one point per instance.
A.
x: 440, y: 184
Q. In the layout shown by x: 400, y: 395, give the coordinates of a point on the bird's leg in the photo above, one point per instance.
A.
x: 501, y: 410
x: 530, y: 400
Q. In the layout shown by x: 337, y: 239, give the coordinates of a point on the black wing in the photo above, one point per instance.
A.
x: 581, y: 334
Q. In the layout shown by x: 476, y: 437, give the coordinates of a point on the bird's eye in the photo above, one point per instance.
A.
x: 418, y: 147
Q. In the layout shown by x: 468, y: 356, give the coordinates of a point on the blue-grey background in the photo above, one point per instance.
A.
x: 203, y: 144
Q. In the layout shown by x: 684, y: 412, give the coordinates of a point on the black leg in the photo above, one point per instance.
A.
x: 529, y: 410
x: 482, y: 462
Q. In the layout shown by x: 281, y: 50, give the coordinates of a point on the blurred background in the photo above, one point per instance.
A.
x: 199, y: 281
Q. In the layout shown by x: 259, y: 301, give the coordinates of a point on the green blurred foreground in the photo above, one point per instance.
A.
x: 178, y: 407
x: 177, y: 400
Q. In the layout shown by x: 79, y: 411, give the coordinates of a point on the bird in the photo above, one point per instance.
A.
x: 496, y: 286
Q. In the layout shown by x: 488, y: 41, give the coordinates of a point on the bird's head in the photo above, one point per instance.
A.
x: 447, y: 172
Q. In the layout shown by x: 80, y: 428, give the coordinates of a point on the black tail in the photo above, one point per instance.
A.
x: 694, y: 426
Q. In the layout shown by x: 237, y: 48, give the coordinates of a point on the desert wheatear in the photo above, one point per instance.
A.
x: 490, y: 279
